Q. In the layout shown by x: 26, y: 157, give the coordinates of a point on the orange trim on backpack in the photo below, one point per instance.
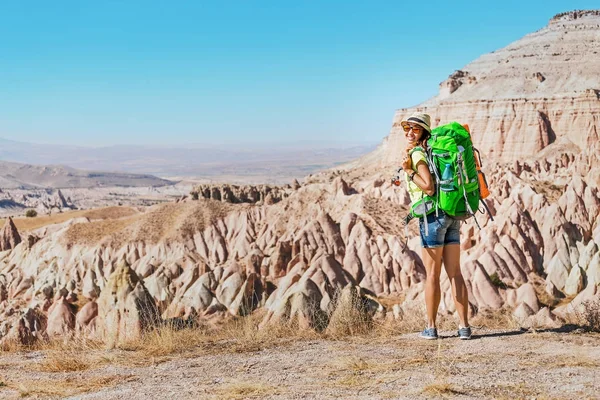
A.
x: 484, y: 190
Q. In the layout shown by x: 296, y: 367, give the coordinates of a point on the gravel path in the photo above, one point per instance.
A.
x: 495, y: 364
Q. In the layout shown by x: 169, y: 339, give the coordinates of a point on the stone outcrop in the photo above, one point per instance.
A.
x: 244, y: 194
x: 9, y: 236
x: 125, y: 307
x: 61, y: 319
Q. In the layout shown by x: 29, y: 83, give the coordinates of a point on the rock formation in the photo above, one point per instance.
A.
x: 9, y: 236
x: 125, y: 307
x: 243, y: 194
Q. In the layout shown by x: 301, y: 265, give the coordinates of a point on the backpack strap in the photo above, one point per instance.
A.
x: 406, y: 221
x: 434, y: 171
x: 417, y: 148
x: 486, y: 208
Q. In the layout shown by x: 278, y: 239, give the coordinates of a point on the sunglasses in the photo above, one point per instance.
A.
x: 415, y: 129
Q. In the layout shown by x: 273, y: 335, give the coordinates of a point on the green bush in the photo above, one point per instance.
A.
x: 31, y: 213
x: 496, y: 281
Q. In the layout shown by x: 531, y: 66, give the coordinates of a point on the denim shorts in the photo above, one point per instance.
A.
x: 443, y: 230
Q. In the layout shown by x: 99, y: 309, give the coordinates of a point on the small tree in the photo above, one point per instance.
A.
x: 31, y: 213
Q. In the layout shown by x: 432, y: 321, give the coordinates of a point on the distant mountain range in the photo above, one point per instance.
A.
x: 252, y: 164
x: 27, y: 176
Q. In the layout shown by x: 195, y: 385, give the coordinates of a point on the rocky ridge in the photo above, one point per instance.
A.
x: 266, y: 194
x: 541, y: 89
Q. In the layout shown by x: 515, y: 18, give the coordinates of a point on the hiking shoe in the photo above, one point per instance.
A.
x: 464, y: 333
x: 429, y: 333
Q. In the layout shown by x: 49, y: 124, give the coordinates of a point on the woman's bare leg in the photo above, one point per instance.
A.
x: 451, y: 256
x: 432, y: 258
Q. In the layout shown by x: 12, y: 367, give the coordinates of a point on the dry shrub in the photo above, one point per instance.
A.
x: 408, y: 322
x: 75, y: 354
x: 58, y: 361
x: 242, y: 335
x: 166, y: 340
x: 495, y: 319
x: 352, y: 314
x: 589, y: 314
x: 585, y: 316
x: 11, y: 346
x: 237, y: 335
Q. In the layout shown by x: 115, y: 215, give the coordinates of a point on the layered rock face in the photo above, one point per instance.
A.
x: 539, y: 90
x: 333, y: 246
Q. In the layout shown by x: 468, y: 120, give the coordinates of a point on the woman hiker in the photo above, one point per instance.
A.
x: 441, y: 240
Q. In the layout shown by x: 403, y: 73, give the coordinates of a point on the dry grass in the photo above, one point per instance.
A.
x: 411, y: 322
x: 245, y: 390
x: 355, y: 364
x: 495, y: 319
x: 28, y: 224
x: 11, y: 346
x: 114, y: 212
x: 238, y: 335
x: 75, y: 354
x: 242, y: 335
x: 64, y: 362
x: 351, y: 315
x: 164, y: 221
x: 353, y: 381
x: 359, y: 365
x: 441, y: 389
x: 94, y: 232
x: 63, y: 388
x: 581, y: 361
x: 511, y: 391
x: 165, y: 341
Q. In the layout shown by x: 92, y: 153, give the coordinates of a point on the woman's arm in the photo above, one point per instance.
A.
x: 423, y: 179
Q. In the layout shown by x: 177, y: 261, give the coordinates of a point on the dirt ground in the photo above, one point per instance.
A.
x: 495, y: 364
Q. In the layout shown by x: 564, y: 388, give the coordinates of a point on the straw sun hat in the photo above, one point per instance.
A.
x: 421, y: 119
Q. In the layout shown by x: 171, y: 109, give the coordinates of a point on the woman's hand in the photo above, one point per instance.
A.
x: 407, y: 163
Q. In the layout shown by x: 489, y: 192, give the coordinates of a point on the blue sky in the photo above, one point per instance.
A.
x: 178, y: 72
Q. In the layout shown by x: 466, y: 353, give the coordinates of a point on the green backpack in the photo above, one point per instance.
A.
x: 451, y: 160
